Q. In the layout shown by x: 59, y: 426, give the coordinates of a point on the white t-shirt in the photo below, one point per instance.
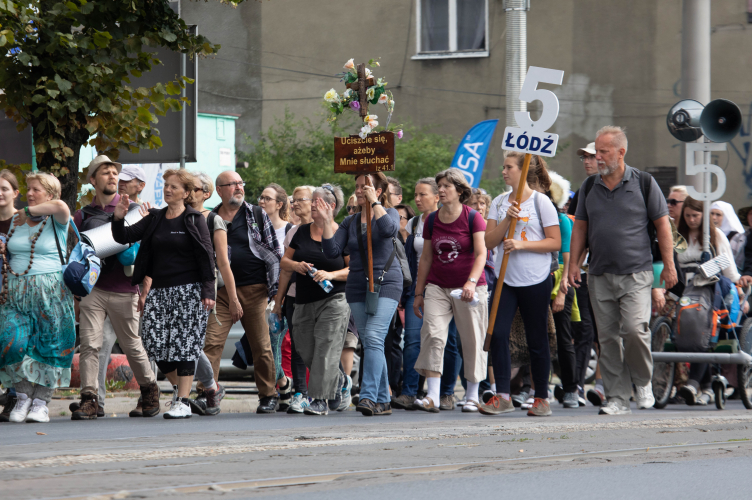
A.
x: 281, y: 238
x: 287, y: 239
x: 418, y: 240
x: 525, y: 268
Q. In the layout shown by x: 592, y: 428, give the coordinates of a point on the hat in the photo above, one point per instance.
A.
x: 589, y: 149
x: 559, y: 189
x: 101, y: 160
x: 130, y: 172
x: 742, y: 213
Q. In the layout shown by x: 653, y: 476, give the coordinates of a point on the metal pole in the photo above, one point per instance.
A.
x: 695, y: 59
x: 516, y: 63
x: 182, y: 113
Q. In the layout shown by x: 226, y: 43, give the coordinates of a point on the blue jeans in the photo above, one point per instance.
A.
x: 452, y: 361
x: 411, y: 349
x: 373, y: 329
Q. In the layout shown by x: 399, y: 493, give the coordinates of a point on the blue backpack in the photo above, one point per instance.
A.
x: 81, y: 272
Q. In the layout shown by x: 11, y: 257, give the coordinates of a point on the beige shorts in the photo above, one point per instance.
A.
x: 351, y: 341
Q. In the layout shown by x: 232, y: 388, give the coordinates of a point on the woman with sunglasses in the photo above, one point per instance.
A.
x: 284, y: 302
x: 203, y: 190
x: 406, y: 213
x: 352, y: 204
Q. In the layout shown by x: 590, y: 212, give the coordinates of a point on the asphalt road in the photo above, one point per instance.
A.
x: 680, y: 452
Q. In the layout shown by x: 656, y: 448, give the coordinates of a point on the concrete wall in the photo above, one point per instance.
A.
x: 621, y: 61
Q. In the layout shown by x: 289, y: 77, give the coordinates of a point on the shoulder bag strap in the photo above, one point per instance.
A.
x: 470, y: 220
x: 57, y: 243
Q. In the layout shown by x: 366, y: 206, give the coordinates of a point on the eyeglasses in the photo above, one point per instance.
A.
x: 300, y: 200
x: 351, y: 208
x: 234, y: 184
x: 673, y: 203
x: 586, y: 157
x: 402, y: 217
x: 196, y: 190
x: 265, y: 199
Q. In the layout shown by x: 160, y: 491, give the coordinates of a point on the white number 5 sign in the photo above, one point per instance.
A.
x: 530, y: 137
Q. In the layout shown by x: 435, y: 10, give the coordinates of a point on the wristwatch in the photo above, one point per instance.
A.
x: 472, y: 280
x: 375, y: 203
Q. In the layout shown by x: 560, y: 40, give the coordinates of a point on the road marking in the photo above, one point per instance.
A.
x: 421, y: 469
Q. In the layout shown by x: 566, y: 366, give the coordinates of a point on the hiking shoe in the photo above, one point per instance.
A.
x: 446, y: 402
x: 496, y: 406
x: 267, y: 404
x: 334, y: 403
x: 427, y: 405
x: 298, y: 403
x: 540, y: 408
x: 471, y: 406
x: 88, y: 409
x: 614, y: 408
x: 382, y: 409
x: 39, y: 412
x: 138, y: 411
x: 688, y: 393
x: 571, y: 400
x: 285, y: 395
x: 366, y: 407
x: 519, y: 399
x: 149, y: 400
x: 403, y: 402
x: 596, y: 396
x: 77, y: 404
x: 317, y: 407
x: 212, y: 402
x: 179, y: 409
x: 346, y: 395
x: 10, y: 403
x: 20, y: 409
x: 644, y: 396
x: 559, y: 394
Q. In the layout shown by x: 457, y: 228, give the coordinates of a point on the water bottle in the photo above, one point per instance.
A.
x: 325, y: 284
x: 274, y: 323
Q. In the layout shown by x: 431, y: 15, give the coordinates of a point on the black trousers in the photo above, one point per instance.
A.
x: 297, y: 366
x: 565, y: 345
x: 583, y: 332
x: 393, y: 354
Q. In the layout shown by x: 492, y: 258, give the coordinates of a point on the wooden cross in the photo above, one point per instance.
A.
x: 361, y: 86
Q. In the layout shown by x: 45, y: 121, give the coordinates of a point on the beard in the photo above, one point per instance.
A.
x: 108, y: 190
x: 606, y: 168
x: 235, y: 202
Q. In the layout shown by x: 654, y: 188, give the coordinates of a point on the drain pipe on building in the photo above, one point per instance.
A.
x: 516, y: 47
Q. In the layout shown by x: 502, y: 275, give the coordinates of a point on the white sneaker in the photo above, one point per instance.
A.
x: 19, y: 412
x: 528, y: 403
x: 644, y: 396
x: 298, y: 403
x: 613, y: 408
x: 462, y: 402
x: 346, y: 394
x: 470, y: 406
x: 179, y: 410
x: 39, y: 412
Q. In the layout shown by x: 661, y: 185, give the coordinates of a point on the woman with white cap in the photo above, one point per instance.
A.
x: 724, y: 218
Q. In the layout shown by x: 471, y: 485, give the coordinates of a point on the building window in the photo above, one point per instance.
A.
x: 451, y: 28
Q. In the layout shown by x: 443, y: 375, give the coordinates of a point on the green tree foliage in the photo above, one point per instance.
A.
x: 65, y: 70
x: 299, y: 152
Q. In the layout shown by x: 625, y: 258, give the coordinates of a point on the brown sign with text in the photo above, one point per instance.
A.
x: 375, y: 153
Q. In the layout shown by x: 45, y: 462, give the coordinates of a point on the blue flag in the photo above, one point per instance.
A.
x: 471, y: 153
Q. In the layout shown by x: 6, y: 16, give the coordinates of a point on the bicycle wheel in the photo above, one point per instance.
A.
x: 744, y: 372
x: 663, y: 373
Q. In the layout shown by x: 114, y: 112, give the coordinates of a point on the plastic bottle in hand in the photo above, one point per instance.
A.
x: 325, y: 284
x: 274, y: 323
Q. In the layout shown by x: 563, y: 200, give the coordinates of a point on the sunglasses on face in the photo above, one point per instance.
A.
x: 351, y: 208
x: 196, y: 190
x: 673, y: 203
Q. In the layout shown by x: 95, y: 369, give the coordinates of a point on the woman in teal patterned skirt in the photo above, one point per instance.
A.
x: 37, y: 320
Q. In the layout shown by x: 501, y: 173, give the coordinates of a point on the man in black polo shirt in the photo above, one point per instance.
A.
x: 254, y: 261
x: 613, y: 215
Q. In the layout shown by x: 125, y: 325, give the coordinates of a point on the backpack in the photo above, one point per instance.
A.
x: 82, y: 270
x: 645, y: 187
x: 695, y: 319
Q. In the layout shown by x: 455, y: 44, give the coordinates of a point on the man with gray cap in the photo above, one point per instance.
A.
x: 132, y: 181
x: 113, y: 297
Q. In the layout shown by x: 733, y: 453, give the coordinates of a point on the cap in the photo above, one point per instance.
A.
x: 132, y: 172
x: 101, y: 160
x: 589, y: 149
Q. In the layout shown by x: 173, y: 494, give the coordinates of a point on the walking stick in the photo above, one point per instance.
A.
x: 505, y: 259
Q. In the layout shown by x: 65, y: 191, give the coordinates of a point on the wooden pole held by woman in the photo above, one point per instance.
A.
x: 505, y: 259
x: 368, y: 238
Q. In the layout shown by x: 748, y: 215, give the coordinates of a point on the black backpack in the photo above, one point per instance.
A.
x: 646, y: 183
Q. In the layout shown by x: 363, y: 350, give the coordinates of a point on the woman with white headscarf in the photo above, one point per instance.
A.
x: 724, y: 218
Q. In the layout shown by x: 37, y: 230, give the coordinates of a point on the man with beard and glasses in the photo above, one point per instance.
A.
x: 254, y: 261
x: 113, y: 298
x: 613, y: 215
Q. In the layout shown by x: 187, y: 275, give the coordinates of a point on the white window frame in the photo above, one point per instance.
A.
x: 452, y: 53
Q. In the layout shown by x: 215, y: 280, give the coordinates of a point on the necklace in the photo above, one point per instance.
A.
x: 33, y: 240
